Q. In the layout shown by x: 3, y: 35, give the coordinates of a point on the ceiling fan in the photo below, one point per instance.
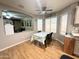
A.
x: 44, y: 10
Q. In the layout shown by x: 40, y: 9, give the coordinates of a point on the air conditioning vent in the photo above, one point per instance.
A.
x: 21, y: 6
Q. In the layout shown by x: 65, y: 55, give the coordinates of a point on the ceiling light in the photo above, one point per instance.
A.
x: 43, y: 12
x: 8, y: 17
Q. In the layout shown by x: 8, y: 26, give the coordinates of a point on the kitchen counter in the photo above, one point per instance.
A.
x: 69, y: 36
x: 75, y: 34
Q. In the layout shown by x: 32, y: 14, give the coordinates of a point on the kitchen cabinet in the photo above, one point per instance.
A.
x: 69, y: 44
x: 77, y: 16
x: 76, y: 50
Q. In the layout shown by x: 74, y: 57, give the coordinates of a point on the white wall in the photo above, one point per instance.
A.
x: 7, y: 41
x: 70, y: 9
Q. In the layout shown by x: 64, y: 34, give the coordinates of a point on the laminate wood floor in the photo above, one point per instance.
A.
x: 28, y: 50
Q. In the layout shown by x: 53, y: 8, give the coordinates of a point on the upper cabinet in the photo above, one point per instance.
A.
x: 77, y: 16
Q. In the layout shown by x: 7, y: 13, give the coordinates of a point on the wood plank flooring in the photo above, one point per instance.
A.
x: 27, y: 50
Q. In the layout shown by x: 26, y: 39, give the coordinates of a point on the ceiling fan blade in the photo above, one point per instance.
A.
x: 49, y: 10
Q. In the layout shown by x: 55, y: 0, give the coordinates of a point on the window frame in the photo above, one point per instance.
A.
x: 50, y: 19
x: 55, y: 24
x: 64, y: 14
x: 38, y: 25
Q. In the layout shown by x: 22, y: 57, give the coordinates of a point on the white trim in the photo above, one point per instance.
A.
x: 12, y: 45
x: 60, y: 41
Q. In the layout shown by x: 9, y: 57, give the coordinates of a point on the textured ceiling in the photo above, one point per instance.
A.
x: 31, y: 6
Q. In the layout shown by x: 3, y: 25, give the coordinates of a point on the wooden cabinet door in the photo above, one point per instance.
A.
x: 69, y: 44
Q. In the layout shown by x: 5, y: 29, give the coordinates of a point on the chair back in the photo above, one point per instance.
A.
x: 51, y: 35
x: 66, y: 57
x: 48, y: 39
x: 38, y: 31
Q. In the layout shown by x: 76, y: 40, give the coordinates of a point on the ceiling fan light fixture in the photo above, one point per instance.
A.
x: 43, y: 12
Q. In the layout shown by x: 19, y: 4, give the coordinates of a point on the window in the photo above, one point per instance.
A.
x: 39, y: 24
x: 51, y: 24
x: 47, y: 25
x: 63, y: 24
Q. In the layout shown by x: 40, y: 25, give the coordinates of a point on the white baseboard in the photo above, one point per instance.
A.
x: 12, y: 45
x: 60, y: 41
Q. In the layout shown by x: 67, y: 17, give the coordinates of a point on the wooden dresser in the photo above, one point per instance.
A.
x: 69, y: 44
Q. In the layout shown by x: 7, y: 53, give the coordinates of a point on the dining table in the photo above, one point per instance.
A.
x: 40, y: 36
